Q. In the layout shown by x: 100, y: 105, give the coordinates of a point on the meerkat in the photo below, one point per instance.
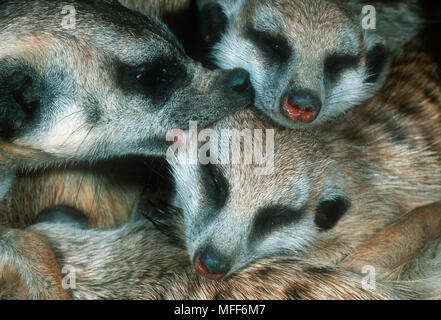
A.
x: 325, y: 184
x: 309, y: 61
x: 106, y: 191
x: 137, y: 261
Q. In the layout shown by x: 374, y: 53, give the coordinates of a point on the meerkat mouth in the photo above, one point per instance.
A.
x: 305, y: 114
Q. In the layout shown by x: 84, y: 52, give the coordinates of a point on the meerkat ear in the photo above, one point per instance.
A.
x: 213, y: 20
x: 329, y: 211
x: 64, y: 215
x: 377, y: 56
x: 19, y: 99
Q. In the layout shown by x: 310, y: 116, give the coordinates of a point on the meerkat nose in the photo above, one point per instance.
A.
x: 240, y: 80
x: 302, y: 106
x: 209, y: 267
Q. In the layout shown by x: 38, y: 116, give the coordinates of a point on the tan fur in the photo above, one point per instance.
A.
x: 28, y: 268
x: 398, y: 244
x: 143, y: 265
x: 138, y: 262
x: 106, y: 200
x: 407, y: 154
x: 385, y: 157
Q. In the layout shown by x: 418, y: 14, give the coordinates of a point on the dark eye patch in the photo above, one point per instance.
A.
x: 274, y: 47
x: 335, y: 64
x: 376, y: 61
x: 159, y: 76
x: 329, y: 212
x: 213, y: 22
x: 272, y: 218
x: 22, y: 94
x: 156, y: 79
x: 215, y: 185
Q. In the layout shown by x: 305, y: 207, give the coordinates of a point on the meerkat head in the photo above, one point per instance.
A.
x: 91, y: 79
x: 234, y: 214
x: 309, y: 61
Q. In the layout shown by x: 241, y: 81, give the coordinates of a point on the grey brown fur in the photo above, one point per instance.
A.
x: 138, y: 262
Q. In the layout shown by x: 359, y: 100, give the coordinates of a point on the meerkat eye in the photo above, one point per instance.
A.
x: 330, y: 211
x: 335, y: 64
x: 215, y: 185
x: 22, y: 94
x: 269, y: 219
x: 159, y: 76
x: 156, y: 79
x: 274, y: 47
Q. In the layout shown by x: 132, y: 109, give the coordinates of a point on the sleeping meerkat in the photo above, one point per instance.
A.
x: 309, y: 60
x: 325, y: 184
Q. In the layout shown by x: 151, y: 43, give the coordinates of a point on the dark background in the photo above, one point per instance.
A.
x: 186, y: 26
x: 432, y: 33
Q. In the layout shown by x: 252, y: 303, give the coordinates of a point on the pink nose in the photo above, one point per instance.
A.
x: 203, y: 270
x: 300, y: 113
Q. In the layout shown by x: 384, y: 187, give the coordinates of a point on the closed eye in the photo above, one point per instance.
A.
x: 155, y: 79
x: 215, y: 185
x: 159, y: 76
x: 274, y: 47
x: 336, y: 64
x: 270, y: 219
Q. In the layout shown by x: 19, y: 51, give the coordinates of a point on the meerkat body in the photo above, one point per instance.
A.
x: 355, y: 167
x: 105, y: 197
x: 309, y: 61
x: 138, y: 261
